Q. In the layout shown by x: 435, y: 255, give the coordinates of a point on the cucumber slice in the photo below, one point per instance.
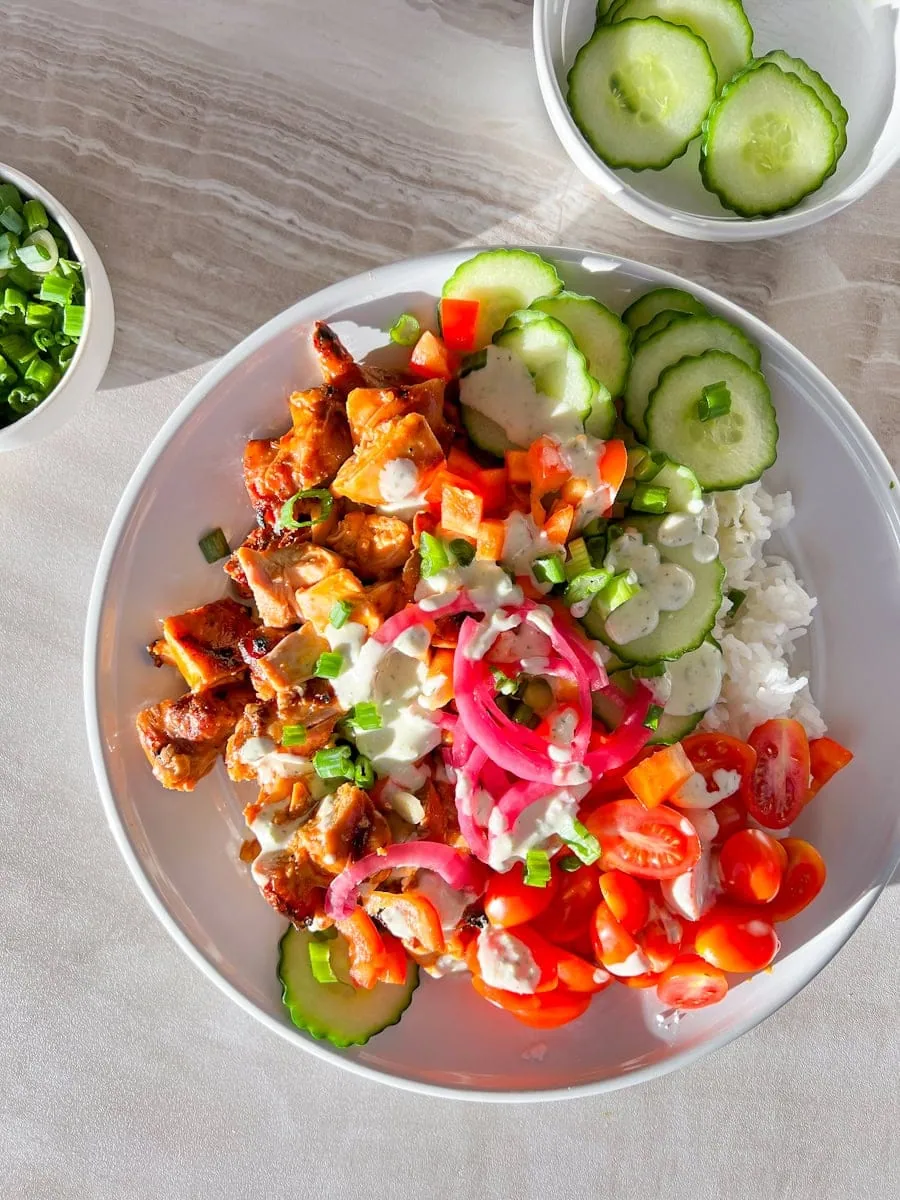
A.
x: 639, y: 91
x: 338, y: 1012
x: 725, y: 452
x: 661, y: 321
x: 548, y: 350
x: 601, y: 420
x: 686, y: 336
x: 599, y: 334
x: 501, y: 281
x: 646, y: 307
x: 685, y: 493
x: 670, y: 729
x: 824, y: 91
x: 485, y: 433
x: 677, y: 632
x: 722, y: 24
x: 768, y: 142
x: 606, y: 10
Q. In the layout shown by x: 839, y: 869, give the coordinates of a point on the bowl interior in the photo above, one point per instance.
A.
x: 851, y: 43
x: 183, y: 848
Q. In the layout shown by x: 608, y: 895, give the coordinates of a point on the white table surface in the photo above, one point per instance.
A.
x: 227, y: 157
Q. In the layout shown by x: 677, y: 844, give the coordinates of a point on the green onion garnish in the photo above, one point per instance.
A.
x: 35, y: 215
x: 10, y: 197
x: 626, y: 491
x: 504, y: 684
x: 365, y: 716
x: 596, y: 548
x: 549, y: 569
x: 583, y: 844
x: 12, y: 220
x: 587, y: 584
x: 614, y: 532
x: 9, y: 243
x: 286, y: 518
x: 715, y: 401
x: 650, y: 498
x: 340, y: 613
x: 41, y: 374
x: 320, y: 962
x: 57, y: 289
x: 336, y: 762
x: 650, y: 671
x: 363, y: 773
x: 736, y: 598
x: 73, y: 321
x: 329, y: 665
x: 619, y: 589
x: 537, y: 868
x: 433, y: 554
x: 579, y: 560
x: 22, y: 401
x: 648, y: 466
x: 293, y: 735
x: 19, y: 350
x: 214, y: 546
x: 654, y: 712
x: 15, y: 301
x: 405, y: 330
x: 570, y: 863
x: 462, y: 551
x: 472, y: 362
x: 39, y: 316
x: 34, y: 257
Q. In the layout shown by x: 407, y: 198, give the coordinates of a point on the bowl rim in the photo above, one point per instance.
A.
x: 82, y: 246
x: 678, y: 221
x: 337, y: 295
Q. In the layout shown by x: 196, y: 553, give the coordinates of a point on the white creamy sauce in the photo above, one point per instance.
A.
x: 695, y: 681
x: 446, y: 964
x: 448, y: 902
x: 398, y: 479
x: 503, y: 390
x: 582, y: 456
x: 490, y: 629
x: 413, y: 642
x: 522, y: 643
x: 665, y: 587
x: 507, y: 963
x: 394, y: 920
x: 693, y: 793
x: 547, y: 819
x: 408, y: 776
x: 488, y: 585
x: 635, y: 964
x: 522, y: 544
x: 270, y: 763
x: 694, y: 892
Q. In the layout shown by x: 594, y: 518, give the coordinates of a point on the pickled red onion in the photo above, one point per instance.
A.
x: 456, y: 868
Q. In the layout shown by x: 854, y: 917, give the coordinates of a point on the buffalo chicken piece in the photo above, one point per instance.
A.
x: 183, y: 738
x: 374, y: 546
x: 292, y: 883
x: 392, y: 466
x: 368, y: 408
x: 274, y: 575
x: 347, y: 826
x: 203, y: 643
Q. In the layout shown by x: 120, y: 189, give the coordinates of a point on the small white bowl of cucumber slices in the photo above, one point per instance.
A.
x: 723, y: 120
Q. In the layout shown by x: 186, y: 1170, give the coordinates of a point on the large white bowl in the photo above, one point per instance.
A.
x: 84, y: 373
x: 854, y: 44
x: 182, y: 849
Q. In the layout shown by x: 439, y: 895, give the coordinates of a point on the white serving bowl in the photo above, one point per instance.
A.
x: 854, y: 44
x: 86, y: 370
x: 183, y: 850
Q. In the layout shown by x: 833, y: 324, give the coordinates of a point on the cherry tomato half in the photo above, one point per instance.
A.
x: 656, y: 843
x: 648, y: 980
x: 628, y: 901
x: 730, y: 817
x: 548, y: 1010
x: 804, y: 877
x: 614, y: 946
x: 736, y: 939
x: 579, y: 975
x: 567, y: 921
x: 751, y: 865
x: 826, y: 758
x: 691, y: 983
x: 660, y: 939
x: 509, y: 901
x: 778, y: 787
x: 711, y: 752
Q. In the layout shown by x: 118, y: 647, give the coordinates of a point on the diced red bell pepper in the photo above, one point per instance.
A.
x: 517, y: 466
x: 547, y: 467
x: 461, y: 510
x: 490, y: 540
x: 365, y: 947
x: 558, y: 525
x: 432, y: 359
x: 459, y: 320
x: 613, y: 464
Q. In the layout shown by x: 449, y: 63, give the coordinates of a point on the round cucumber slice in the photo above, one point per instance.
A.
x: 677, y: 632
x: 485, y: 433
x: 724, y: 452
x: 722, y: 24
x: 768, y: 142
x: 639, y: 91
x: 599, y: 334
x: 646, y: 307
x: 670, y: 728
x: 338, y: 1012
x: 685, y: 493
x: 547, y: 348
x: 661, y: 321
x: 823, y: 90
x: 688, y: 335
x: 501, y: 281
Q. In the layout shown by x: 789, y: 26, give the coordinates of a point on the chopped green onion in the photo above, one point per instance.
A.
x: 41, y: 374
x: 583, y: 844
x: 35, y: 215
x: 649, y: 466
x: 570, y: 863
x: 537, y: 868
x: 44, y: 339
x: 472, y: 362
x: 22, y: 401
x: 619, y: 589
x: 9, y: 244
x: 334, y: 763
x: 524, y: 714
x: 286, y: 518
x: 736, y: 598
x: 293, y: 735
x: 549, y: 569
x: 715, y: 401
x: 614, y: 532
x: 364, y: 773
x: 15, y: 300
x: 56, y: 289
x: 625, y: 492
x: 66, y: 354
x: 504, y: 684
x: 654, y: 712
x: 10, y: 197
x: 365, y: 716
x: 650, y: 498
x: 39, y: 316
x: 650, y: 671
x: 329, y: 665
x: 320, y: 962
x: 214, y: 546
x: 39, y: 252
x: 596, y: 547
x: 12, y: 220
x: 433, y: 554
x: 17, y: 349
x: 22, y: 277
x: 594, y: 527
x: 405, y: 330
x: 587, y: 584
x: 462, y: 551
x: 340, y: 614
x: 579, y: 560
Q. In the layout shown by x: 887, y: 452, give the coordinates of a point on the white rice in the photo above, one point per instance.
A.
x: 758, y: 644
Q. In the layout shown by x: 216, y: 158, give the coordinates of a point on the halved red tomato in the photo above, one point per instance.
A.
x: 660, y: 939
x: 548, y: 1010
x: 567, y: 921
x: 740, y: 940
x: 730, y: 817
x: 826, y: 758
x: 691, y: 982
x: 751, y: 865
x: 778, y: 787
x: 804, y: 878
x: 614, y: 946
x: 628, y: 901
x: 711, y: 752
x: 509, y: 901
x: 656, y: 843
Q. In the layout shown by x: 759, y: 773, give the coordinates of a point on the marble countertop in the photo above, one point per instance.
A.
x: 228, y: 157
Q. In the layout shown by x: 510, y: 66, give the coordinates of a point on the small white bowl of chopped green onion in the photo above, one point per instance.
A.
x: 723, y: 120
x: 56, y: 312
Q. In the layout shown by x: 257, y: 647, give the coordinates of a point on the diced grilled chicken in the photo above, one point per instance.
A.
x: 260, y: 728
x: 407, y: 440
x: 339, y: 369
x: 259, y: 454
x: 374, y: 546
x: 315, y: 603
x: 203, y: 642
x: 368, y: 408
x: 292, y: 883
x: 183, y: 738
x: 265, y: 539
x: 292, y: 661
x: 347, y: 826
x: 274, y: 575
x: 440, y: 823
x: 160, y: 653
